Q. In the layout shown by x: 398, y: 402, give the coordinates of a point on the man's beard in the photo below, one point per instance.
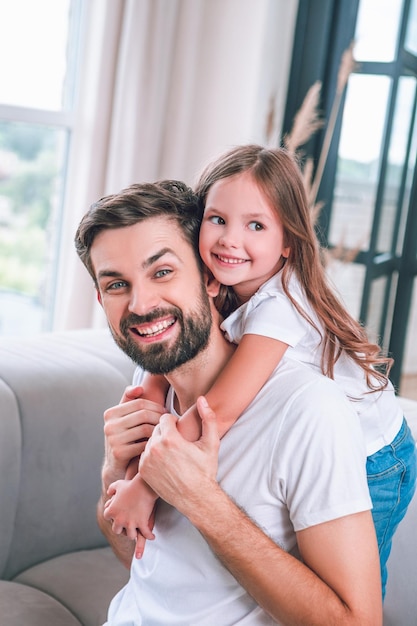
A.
x: 158, y: 358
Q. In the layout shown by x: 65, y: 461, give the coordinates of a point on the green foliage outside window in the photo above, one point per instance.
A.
x: 28, y: 174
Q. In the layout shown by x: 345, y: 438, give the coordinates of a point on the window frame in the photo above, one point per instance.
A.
x: 64, y: 121
x: 324, y: 29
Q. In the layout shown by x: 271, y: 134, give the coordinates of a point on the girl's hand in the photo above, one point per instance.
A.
x: 130, y: 509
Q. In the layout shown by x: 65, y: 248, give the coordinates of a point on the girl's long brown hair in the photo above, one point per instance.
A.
x: 278, y: 175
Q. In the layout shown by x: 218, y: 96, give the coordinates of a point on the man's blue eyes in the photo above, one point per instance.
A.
x: 121, y: 284
x: 162, y: 273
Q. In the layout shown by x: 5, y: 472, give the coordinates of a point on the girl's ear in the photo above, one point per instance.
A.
x: 286, y: 252
x: 212, y: 284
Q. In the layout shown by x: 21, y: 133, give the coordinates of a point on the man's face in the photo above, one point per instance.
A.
x: 152, y: 292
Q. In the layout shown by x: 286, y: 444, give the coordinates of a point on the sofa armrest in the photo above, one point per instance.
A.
x: 60, y: 384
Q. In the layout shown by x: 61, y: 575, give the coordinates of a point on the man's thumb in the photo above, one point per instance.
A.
x: 209, y: 422
x: 131, y: 393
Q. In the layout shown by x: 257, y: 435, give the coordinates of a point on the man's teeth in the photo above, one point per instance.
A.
x: 155, y: 328
x: 232, y: 261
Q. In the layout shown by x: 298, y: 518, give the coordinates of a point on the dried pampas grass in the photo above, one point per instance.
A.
x: 308, y: 121
x: 347, y: 66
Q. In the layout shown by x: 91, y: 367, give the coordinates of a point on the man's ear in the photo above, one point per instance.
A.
x: 98, y: 294
x: 212, y: 284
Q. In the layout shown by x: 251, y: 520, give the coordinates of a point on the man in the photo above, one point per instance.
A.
x: 287, y: 480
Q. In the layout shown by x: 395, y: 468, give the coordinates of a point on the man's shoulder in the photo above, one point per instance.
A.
x: 303, y: 371
x: 306, y: 399
x: 297, y: 401
x: 297, y: 379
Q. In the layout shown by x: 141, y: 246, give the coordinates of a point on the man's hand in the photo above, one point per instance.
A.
x: 127, y: 428
x: 176, y: 469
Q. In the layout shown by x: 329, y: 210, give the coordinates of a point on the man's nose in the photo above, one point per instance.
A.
x: 143, y: 299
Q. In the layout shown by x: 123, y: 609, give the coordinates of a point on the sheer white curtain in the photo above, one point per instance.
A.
x: 166, y: 84
x: 118, y: 132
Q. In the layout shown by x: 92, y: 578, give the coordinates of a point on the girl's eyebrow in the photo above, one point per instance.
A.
x: 254, y: 215
x: 251, y: 214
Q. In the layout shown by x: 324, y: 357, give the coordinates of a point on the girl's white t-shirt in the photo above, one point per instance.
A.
x: 270, y: 313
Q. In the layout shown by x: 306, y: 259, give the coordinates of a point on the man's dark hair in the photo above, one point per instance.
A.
x: 166, y: 198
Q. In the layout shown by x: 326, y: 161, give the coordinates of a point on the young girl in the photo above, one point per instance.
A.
x: 257, y: 238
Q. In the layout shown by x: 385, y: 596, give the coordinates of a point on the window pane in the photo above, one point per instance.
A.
x: 375, y: 308
x: 395, y: 165
x: 31, y: 179
x: 407, y: 191
x: 359, y: 160
x: 377, y: 30
x: 411, y: 36
x: 408, y: 382
x: 33, y: 50
x: 348, y: 279
x: 384, y: 341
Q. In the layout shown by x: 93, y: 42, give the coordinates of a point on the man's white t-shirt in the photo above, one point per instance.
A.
x: 295, y: 458
x: 270, y: 313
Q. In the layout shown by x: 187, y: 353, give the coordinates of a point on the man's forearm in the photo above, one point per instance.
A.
x: 281, y: 584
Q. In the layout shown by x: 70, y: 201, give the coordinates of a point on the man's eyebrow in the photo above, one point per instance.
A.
x: 155, y: 257
x: 146, y: 264
x: 108, y: 274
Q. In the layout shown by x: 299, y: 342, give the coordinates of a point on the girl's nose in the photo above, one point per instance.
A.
x: 229, y: 239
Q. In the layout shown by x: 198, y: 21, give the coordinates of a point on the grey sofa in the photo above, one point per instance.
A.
x: 55, y: 566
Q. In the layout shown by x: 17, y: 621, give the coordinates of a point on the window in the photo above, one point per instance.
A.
x: 369, y: 187
x: 39, y: 53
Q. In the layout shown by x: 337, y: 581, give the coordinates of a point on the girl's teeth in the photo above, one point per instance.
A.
x: 231, y: 261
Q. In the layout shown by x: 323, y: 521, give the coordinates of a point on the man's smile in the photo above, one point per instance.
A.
x: 154, y: 329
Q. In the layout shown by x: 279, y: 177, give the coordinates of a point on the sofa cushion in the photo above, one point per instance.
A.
x: 21, y: 605
x: 84, y: 582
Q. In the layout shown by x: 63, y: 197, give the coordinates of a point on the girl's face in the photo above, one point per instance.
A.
x: 241, y: 237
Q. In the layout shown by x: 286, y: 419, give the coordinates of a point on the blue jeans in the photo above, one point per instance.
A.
x: 392, y: 481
